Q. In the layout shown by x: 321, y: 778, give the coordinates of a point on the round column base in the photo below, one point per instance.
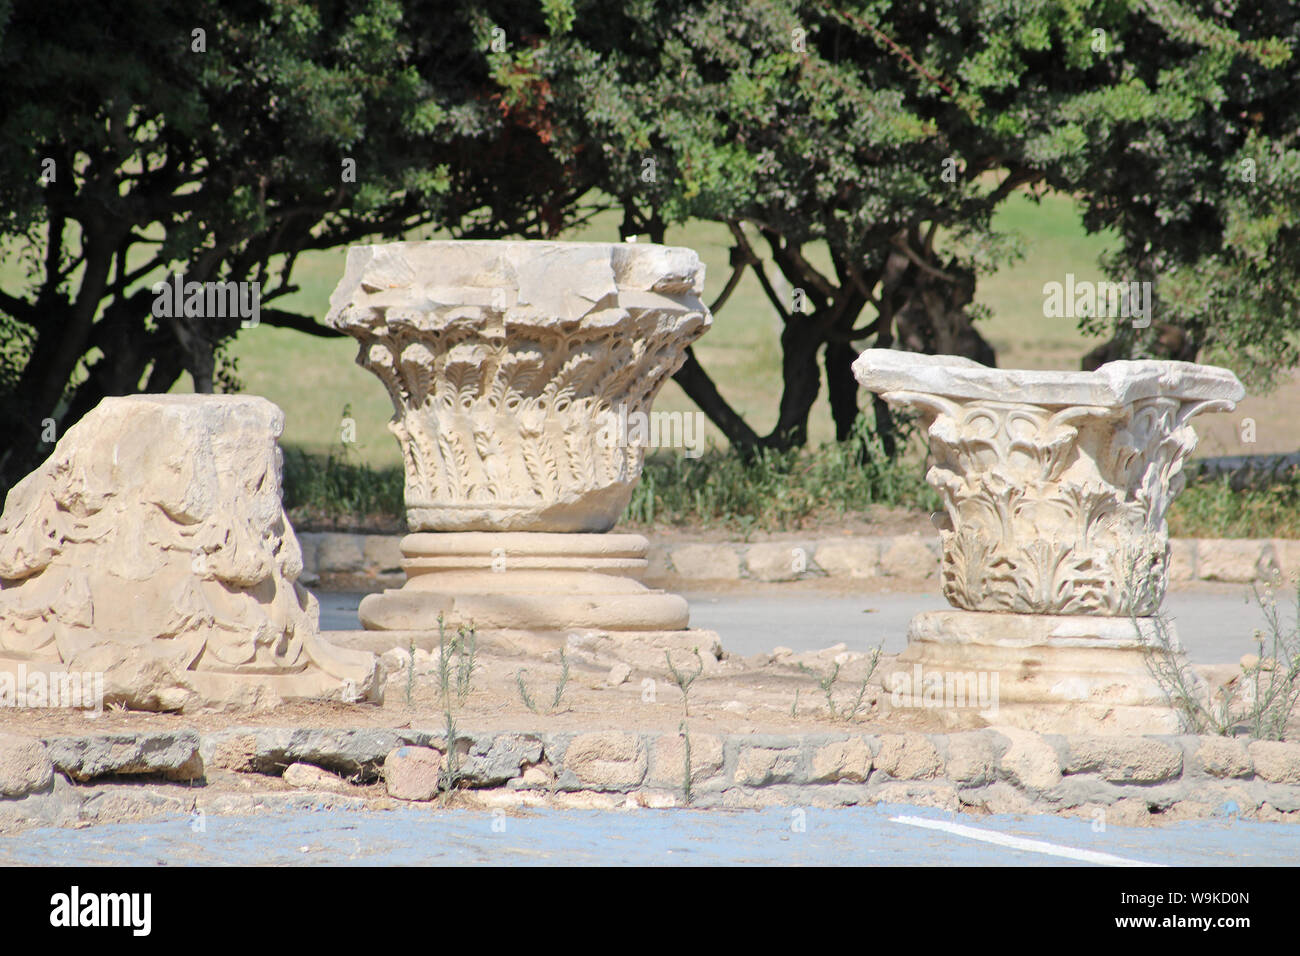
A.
x: 1047, y: 673
x: 536, y: 581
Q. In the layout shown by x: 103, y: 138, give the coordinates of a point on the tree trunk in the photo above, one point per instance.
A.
x: 800, y: 343
x: 931, y: 315
x: 842, y: 388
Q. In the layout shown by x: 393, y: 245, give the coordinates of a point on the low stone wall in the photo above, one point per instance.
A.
x: 1119, y: 780
x: 350, y: 560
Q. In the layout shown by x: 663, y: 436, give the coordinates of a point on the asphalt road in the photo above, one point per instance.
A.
x: 1214, y: 626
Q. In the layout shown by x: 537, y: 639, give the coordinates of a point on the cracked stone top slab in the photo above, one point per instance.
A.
x: 430, y: 285
x: 1115, y: 384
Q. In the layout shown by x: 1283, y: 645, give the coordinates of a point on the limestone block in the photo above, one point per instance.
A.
x: 152, y: 547
x: 760, y: 766
x: 25, y: 766
x: 849, y: 559
x: 1286, y: 553
x: 1276, y: 761
x: 413, y: 773
x: 1125, y: 759
x: 716, y: 561
x: 1030, y: 760
x: 657, y: 561
x: 842, y: 760
x: 908, y: 757
x: 305, y: 776
x: 1221, y: 757
x: 382, y: 552
x: 1234, y: 561
x: 908, y: 556
x: 776, y: 561
x: 171, y: 754
x: 972, y: 758
x: 308, y: 543
x: 607, y: 760
x: 337, y: 553
x: 668, y: 759
x: 495, y: 758
x: 1182, y: 560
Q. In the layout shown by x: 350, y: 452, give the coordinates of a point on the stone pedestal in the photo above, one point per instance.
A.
x: 525, y: 580
x: 509, y: 365
x: 1044, y: 672
x: 1055, y: 487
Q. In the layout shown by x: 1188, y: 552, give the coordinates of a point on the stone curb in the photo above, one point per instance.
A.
x: 1002, y: 770
x: 351, y: 560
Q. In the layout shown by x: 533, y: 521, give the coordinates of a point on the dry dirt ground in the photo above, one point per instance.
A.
x: 609, y: 686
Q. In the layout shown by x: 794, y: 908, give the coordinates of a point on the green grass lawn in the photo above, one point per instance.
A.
x: 313, y: 379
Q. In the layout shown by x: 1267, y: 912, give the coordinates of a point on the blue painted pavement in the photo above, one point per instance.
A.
x: 680, y: 837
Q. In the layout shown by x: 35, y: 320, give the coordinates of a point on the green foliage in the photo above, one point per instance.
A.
x: 684, y: 679
x: 1214, y: 509
x: 560, y: 685
x: 796, y: 122
x: 826, y: 683
x: 685, y: 732
x: 456, y: 662
x: 456, y: 666
x: 335, y: 487
x: 1260, y: 700
x: 410, y: 672
x: 1199, y: 175
x: 777, y: 490
x: 772, y: 491
x: 135, y: 147
x: 817, y: 123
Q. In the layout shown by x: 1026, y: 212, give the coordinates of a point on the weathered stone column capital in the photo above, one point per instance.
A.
x: 504, y: 361
x: 1055, y: 484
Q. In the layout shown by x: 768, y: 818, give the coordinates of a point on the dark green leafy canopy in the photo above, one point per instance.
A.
x: 220, y: 140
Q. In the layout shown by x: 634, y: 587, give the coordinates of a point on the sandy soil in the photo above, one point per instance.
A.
x: 759, y: 694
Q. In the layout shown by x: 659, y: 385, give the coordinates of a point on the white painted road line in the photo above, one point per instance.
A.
x: 1021, y: 843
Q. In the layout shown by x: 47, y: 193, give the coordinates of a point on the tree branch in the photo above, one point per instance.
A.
x: 738, y: 263
x: 700, y: 388
x: 299, y: 323
x: 758, y: 271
